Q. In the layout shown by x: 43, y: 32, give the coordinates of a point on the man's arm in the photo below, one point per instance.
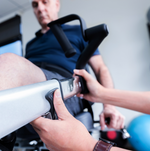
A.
x: 103, y: 76
x: 101, y: 71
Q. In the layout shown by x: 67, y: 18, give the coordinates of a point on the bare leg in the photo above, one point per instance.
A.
x: 17, y: 71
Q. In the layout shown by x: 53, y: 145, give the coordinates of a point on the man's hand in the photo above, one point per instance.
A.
x: 116, y: 118
x: 64, y: 134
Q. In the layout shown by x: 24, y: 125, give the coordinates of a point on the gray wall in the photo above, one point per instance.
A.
x: 126, y: 50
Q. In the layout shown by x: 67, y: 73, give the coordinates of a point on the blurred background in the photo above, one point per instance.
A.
x: 126, y: 50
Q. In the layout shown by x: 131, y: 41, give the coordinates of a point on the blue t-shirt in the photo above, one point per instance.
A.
x: 45, y: 48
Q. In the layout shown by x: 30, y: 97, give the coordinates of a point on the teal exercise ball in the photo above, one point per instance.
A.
x: 139, y: 129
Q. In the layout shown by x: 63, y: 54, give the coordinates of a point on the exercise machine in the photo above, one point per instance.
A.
x: 17, y: 104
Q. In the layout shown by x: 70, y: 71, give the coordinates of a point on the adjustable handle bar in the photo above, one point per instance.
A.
x: 55, y: 26
x: 62, y: 39
x: 94, y: 35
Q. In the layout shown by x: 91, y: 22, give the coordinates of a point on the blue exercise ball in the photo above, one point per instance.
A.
x: 139, y: 129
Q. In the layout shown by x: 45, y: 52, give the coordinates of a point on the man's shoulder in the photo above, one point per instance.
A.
x: 31, y: 41
x: 71, y: 27
x: 37, y: 34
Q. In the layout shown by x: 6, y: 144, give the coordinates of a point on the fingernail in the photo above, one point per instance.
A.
x: 81, y: 96
x: 57, y: 93
x: 75, y: 70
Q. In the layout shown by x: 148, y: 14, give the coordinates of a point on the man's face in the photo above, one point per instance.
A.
x: 45, y: 10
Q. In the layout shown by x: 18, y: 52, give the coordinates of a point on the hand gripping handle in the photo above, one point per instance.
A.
x: 94, y: 36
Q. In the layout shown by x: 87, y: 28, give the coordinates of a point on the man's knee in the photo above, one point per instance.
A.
x: 9, y: 59
x: 18, y: 71
x: 12, y: 61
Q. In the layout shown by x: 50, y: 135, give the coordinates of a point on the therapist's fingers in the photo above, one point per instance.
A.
x: 60, y: 107
x: 83, y: 73
x: 39, y: 123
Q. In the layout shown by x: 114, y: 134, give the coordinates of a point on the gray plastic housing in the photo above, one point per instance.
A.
x: 21, y: 105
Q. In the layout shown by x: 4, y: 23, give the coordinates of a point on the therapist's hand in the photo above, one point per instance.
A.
x: 95, y: 89
x: 64, y: 134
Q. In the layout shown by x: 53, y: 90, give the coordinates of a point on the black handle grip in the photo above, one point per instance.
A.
x: 55, y: 26
x: 107, y: 120
x: 83, y: 86
x: 49, y: 97
x: 95, y: 35
x: 63, y: 40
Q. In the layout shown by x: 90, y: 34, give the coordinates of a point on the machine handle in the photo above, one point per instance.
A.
x: 63, y: 40
x: 55, y: 26
x: 95, y: 35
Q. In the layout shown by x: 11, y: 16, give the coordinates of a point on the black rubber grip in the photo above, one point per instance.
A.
x: 95, y: 35
x: 83, y: 86
x: 63, y: 40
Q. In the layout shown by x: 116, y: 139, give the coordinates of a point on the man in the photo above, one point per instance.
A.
x: 47, y: 11
x: 17, y: 71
